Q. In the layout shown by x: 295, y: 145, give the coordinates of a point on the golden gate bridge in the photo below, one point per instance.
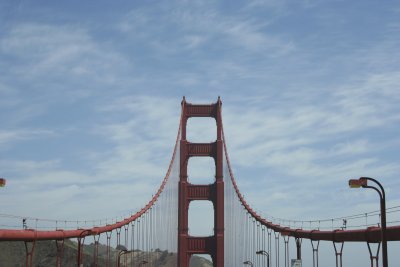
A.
x: 241, y: 236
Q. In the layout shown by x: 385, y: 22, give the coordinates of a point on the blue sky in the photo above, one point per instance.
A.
x: 90, y: 99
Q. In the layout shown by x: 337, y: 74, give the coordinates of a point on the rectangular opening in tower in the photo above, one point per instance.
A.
x: 201, y: 218
x: 201, y: 170
x: 201, y: 130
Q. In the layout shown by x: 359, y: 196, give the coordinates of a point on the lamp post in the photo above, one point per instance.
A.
x: 124, y: 251
x: 248, y: 263
x: 363, y: 182
x: 263, y: 252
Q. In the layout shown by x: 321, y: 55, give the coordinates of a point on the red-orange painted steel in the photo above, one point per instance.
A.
x: 213, y: 245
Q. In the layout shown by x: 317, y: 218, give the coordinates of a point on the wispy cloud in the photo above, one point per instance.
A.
x: 58, y: 60
x: 306, y: 148
x: 9, y: 136
x: 203, y: 26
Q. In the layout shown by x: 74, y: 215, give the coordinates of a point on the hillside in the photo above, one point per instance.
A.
x: 12, y: 254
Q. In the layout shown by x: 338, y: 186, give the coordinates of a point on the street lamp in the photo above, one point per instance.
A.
x: 363, y: 182
x: 248, y: 263
x: 263, y: 252
x: 143, y: 263
x: 2, y: 182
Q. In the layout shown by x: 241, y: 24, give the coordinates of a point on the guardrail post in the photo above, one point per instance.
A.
x: 269, y: 231
x: 126, y: 228
x: 118, y: 236
x: 60, y: 252
x: 96, y: 250
x: 298, y: 246
x: 338, y: 254
x: 108, y: 234
x: 286, y: 240
x: 315, y: 252
x: 81, y: 242
x: 374, y: 257
x: 276, y: 249
x: 29, y: 252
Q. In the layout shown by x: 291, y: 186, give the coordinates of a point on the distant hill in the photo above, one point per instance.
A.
x: 12, y: 254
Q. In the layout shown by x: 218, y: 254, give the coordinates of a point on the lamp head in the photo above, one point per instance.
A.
x: 2, y: 182
x: 262, y: 252
x: 357, y: 183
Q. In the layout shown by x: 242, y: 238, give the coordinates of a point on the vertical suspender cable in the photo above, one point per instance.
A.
x: 132, y: 242
x: 263, y: 245
x: 258, y: 243
x: 108, y: 234
x: 138, y: 238
x: 276, y: 248
x: 269, y: 231
x: 126, y: 228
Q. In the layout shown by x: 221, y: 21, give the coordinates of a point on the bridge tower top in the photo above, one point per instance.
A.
x: 201, y: 110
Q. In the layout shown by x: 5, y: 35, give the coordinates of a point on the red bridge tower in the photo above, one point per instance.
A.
x: 212, y: 245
